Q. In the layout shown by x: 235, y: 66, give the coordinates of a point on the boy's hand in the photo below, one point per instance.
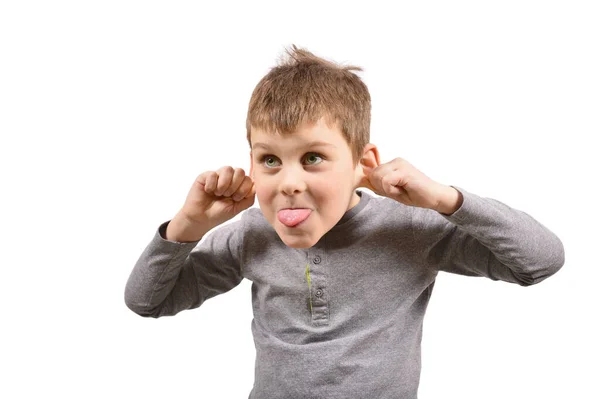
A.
x: 401, y: 181
x: 217, y: 196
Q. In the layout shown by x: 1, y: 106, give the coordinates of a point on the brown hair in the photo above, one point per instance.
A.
x: 304, y: 88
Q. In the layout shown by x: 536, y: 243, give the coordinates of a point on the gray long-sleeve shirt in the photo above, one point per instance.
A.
x: 344, y: 318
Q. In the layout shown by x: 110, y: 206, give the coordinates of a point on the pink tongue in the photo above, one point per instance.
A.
x: 291, y: 217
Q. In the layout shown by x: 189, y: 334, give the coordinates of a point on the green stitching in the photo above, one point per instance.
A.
x: 309, y: 291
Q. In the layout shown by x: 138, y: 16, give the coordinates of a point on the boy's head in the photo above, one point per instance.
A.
x: 303, y: 100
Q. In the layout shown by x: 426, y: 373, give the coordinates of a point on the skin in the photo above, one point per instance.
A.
x: 291, y: 174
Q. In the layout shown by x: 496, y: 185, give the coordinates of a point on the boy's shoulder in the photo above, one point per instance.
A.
x: 388, y: 211
x: 253, y: 215
x: 384, y: 210
x: 253, y: 220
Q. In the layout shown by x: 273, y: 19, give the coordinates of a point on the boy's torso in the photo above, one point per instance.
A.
x: 347, y: 313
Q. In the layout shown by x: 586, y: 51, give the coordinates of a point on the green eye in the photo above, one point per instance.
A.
x: 311, y: 156
x: 312, y: 159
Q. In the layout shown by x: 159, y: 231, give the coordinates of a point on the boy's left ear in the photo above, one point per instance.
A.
x: 368, y: 162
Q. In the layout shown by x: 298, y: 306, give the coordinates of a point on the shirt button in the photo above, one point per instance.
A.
x: 317, y: 259
x: 319, y: 293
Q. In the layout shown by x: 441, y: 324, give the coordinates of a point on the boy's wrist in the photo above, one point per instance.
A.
x: 181, y: 229
x: 451, y: 200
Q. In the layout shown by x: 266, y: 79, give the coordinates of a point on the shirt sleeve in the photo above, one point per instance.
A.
x: 171, y: 276
x: 487, y: 238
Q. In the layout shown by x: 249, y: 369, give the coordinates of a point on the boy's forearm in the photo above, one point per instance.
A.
x: 180, y: 229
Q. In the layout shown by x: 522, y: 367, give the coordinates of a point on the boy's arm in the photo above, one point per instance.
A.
x: 173, y: 276
x: 485, y: 237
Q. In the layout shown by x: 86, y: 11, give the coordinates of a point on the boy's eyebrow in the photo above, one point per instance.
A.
x: 311, y: 144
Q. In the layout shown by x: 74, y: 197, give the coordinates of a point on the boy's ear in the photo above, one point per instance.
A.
x: 368, y: 162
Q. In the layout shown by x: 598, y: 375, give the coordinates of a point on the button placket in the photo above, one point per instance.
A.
x: 319, y: 306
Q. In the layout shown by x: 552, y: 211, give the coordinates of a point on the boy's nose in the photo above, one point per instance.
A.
x: 292, y: 181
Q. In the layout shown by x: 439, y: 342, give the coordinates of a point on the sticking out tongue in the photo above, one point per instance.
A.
x: 291, y: 217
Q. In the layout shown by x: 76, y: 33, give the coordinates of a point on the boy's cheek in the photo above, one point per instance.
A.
x: 261, y: 195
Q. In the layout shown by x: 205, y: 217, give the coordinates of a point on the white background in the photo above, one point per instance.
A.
x: 109, y: 110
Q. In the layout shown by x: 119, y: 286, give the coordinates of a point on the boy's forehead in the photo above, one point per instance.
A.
x: 314, y: 135
x: 273, y: 144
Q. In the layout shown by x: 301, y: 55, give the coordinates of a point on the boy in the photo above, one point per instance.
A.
x: 341, y: 278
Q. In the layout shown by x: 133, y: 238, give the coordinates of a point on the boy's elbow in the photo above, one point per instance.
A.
x: 554, y: 261
x: 529, y: 280
x: 542, y: 274
x: 144, y: 312
x: 140, y: 309
x: 168, y: 307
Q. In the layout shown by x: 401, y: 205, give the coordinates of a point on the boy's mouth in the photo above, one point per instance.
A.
x: 292, y: 217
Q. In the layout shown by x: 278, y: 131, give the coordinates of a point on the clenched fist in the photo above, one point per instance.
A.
x: 401, y: 181
x: 216, y: 197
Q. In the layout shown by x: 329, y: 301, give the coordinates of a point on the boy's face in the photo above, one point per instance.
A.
x: 292, y: 173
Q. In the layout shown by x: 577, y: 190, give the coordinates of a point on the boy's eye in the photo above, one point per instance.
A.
x: 270, y: 159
